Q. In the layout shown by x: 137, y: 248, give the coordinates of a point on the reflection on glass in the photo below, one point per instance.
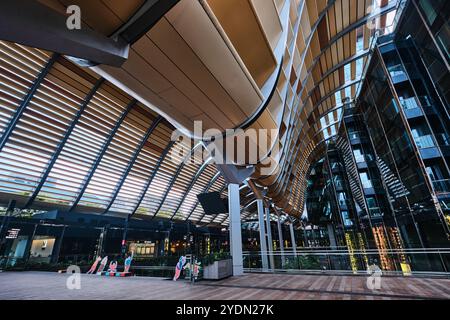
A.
x: 425, y: 141
x: 442, y: 186
x: 396, y: 70
x: 408, y: 103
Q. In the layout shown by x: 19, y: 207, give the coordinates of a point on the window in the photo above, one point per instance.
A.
x: 346, y: 219
x: 342, y: 198
x: 359, y: 156
x: 365, y: 181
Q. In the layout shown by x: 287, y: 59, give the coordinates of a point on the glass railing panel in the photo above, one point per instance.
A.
x: 359, y: 158
x: 396, y: 70
x: 425, y: 141
x: 354, y: 135
x: 425, y: 101
x: 409, y: 103
x: 367, y: 184
x: 442, y: 139
x: 442, y: 186
x: 340, y: 260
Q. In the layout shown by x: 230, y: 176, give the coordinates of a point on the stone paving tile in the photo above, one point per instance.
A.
x: 52, y: 286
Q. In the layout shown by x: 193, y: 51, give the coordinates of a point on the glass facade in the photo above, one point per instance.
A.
x: 393, y: 146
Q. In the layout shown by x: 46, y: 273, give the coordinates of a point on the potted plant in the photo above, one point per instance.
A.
x: 217, y: 266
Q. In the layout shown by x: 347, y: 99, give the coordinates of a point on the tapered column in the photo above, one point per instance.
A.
x: 269, y: 239
x: 280, y: 239
x: 262, y: 235
x: 235, y: 229
x: 294, y: 243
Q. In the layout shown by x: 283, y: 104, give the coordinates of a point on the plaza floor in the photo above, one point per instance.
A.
x: 50, y: 286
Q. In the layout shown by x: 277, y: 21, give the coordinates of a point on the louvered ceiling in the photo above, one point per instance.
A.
x: 73, y: 141
x: 321, y: 47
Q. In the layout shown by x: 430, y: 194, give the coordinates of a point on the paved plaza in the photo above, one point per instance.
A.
x: 51, y: 286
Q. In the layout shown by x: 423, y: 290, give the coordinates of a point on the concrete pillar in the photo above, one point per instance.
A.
x: 294, y: 244
x: 235, y: 229
x: 262, y: 234
x: 280, y: 239
x: 269, y: 239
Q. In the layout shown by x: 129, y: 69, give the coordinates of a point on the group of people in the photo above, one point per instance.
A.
x: 112, y: 265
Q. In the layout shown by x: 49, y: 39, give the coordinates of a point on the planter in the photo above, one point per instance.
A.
x: 218, y: 270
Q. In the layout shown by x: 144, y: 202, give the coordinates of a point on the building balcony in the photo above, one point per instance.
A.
x: 428, y: 148
x: 375, y: 212
x: 441, y: 186
x: 409, y: 103
x: 425, y: 141
x: 397, y: 73
x: 412, y: 109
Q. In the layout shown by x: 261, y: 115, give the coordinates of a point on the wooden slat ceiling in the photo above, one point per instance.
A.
x: 192, y: 65
x: 92, y: 165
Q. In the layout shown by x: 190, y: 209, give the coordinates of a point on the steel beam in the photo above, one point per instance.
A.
x: 36, y: 25
x: 144, y: 19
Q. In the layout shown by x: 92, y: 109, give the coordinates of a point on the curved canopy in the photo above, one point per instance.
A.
x: 72, y: 137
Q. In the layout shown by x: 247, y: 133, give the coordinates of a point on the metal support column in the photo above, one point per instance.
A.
x: 262, y: 235
x: 280, y: 239
x: 123, y: 248
x: 294, y: 243
x: 101, y: 241
x: 269, y: 239
x: 235, y: 229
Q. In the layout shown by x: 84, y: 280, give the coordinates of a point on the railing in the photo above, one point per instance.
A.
x: 442, y: 186
x: 367, y: 184
x: 396, y: 70
x: 354, y: 135
x: 339, y: 261
x: 442, y: 139
x: 425, y: 101
x: 360, y: 158
x: 425, y: 141
x: 409, y: 103
x: 375, y: 212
